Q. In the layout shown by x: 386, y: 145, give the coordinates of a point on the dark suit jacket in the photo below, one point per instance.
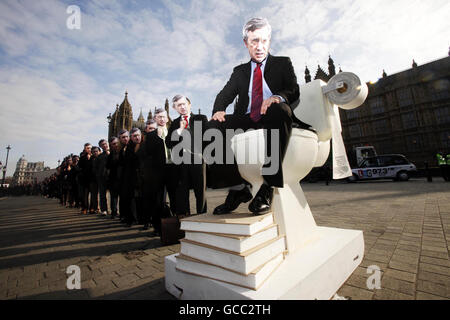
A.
x: 278, y: 74
x: 86, y: 175
x: 154, y: 159
x: 112, y: 166
x: 194, y: 118
x: 130, y: 162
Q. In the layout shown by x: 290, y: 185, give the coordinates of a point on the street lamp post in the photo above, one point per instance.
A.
x: 6, y: 164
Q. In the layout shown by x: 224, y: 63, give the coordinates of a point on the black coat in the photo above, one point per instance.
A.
x: 154, y: 159
x: 114, y: 170
x: 280, y: 78
x: 196, y: 122
x: 131, y: 177
x: 86, y: 175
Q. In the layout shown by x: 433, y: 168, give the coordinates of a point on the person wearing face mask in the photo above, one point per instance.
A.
x: 102, y: 175
x: 266, y: 86
x: 132, y: 178
x: 85, y: 176
x: 93, y: 185
x: 192, y: 168
x: 113, y: 182
x: 124, y: 208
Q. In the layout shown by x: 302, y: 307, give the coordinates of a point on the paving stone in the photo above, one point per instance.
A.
x: 434, y: 254
x: 148, y: 257
x: 146, y: 272
x: 433, y: 288
x: 427, y: 296
x: 434, y: 268
x: 438, y: 244
x: 88, y: 284
x: 125, y: 281
x: 412, y: 260
x: 434, y: 277
x: 398, y: 285
x: 110, y: 268
x: 163, y: 253
x: 435, y: 249
x: 105, y: 278
x: 11, y: 283
x: 393, y: 264
x: 29, y: 293
x: 367, y: 263
x: 102, y: 290
x: 127, y: 270
x: 387, y: 294
x: 415, y: 249
x: 401, y: 275
x: 358, y: 281
x: 378, y: 257
x: 435, y: 261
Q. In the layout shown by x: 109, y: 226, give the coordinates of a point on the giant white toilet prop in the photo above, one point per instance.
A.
x: 317, y: 260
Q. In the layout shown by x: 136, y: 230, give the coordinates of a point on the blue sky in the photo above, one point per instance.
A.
x: 57, y: 85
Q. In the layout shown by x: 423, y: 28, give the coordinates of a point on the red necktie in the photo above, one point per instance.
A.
x: 186, y: 119
x: 257, y: 94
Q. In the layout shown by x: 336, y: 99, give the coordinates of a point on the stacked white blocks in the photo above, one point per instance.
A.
x: 239, y: 248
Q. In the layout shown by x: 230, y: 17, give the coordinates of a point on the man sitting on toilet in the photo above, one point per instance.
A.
x: 266, y: 86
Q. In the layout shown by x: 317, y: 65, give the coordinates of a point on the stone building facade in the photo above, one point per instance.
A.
x: 406, y: 113
x: 25, y: 171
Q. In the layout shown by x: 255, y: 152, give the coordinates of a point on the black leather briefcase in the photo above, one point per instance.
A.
x: 170, y: 230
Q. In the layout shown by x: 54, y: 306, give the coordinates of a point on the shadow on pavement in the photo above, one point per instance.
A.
x: 153, y: 290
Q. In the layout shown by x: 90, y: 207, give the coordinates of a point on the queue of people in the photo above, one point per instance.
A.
x: 137, y: 169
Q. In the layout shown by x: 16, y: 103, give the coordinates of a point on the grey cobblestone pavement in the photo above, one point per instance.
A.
x: 406, y: 231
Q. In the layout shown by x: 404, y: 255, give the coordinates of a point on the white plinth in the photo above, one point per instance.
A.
x: 314, y: 271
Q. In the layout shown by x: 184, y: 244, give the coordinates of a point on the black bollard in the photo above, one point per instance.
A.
x: 428, y: 173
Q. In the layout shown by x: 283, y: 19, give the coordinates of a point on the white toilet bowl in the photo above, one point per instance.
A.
x: 301, y: 155
x: 290, y: 208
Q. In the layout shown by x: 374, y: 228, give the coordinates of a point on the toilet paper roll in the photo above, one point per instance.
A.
x: 341, y: 167
x: 352, y: 95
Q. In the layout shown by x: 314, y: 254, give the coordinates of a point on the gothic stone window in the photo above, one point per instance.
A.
x: 409, y: 120
x: 404, y: 97
x: 351, y: 114
x: 442, y: 115
x: 440, y: 89
x: 445, y: 139
x: 376, y: 105
x: 380, y: 127
x: 355, y: 131
x: 413, y: 143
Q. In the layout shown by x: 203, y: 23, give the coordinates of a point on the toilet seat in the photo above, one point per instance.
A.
x: 304, y: 133
x: 251, y: 134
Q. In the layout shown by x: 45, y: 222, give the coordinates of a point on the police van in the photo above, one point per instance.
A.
x: 387, y: 166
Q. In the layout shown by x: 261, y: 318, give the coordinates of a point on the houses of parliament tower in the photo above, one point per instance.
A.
x: 122, y: 118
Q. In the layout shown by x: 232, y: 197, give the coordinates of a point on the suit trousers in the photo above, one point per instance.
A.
x: 278, y: 117
x: 114, y: 197
x: 125, y: 210
x: 93, y: 189
x: 166, y: 184
x: 101, y: 182
x: 191, y: 175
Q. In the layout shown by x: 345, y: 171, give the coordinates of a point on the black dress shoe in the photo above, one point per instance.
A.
x: 233, y: 200
x: 262, y: 202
